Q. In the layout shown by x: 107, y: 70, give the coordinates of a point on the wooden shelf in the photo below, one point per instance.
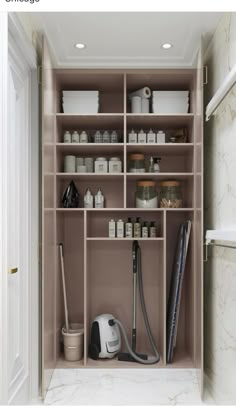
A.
x: 160, y: 176
x: 124, y: 210
x: 162, y: 149
x: 110, y: 121
x: 89, y: 148
x: 91, y: 176
x: 124, y: 238
x: 167, y: 121
x: 90, y: 115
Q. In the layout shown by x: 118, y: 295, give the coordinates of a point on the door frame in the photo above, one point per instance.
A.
x: 12, y: 34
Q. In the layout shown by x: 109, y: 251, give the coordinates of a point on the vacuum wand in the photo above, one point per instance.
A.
x: 132, y: 355
x: 135, y: 266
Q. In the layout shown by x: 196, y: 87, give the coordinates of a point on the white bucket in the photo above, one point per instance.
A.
x: 73, y: 342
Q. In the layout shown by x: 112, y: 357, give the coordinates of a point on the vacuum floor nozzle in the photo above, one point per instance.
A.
x: 126, y: 357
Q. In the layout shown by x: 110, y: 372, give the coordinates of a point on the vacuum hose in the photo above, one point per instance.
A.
x: 145, y: 316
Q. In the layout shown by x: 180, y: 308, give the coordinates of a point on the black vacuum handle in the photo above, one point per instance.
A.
x: 135, y: 258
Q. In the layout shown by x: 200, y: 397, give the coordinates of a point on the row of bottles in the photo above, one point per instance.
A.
x: 130, y: 229
x: 97, y: 201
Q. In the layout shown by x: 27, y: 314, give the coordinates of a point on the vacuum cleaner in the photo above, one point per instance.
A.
x: 105, y: 332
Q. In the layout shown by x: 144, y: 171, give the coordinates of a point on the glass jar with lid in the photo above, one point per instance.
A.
x: 137, y: 163
x: 146, y: 195
x: 171, y: 194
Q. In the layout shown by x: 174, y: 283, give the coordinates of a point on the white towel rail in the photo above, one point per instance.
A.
x: 223, y: 90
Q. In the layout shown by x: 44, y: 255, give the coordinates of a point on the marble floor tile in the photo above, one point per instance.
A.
x: 124, y: 387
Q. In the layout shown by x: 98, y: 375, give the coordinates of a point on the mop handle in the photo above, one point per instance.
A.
x: 64, y: 287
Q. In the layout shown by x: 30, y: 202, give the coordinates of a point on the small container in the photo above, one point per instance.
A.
x: 161, y: 137
x: 142, y: 137
x: 153, y: 230
x: 129, y: 228
x: 115, y: 165
x: 137, y: 228
x: 99, y: 200
x: 89, y: 163
x: 81, y: 169
x: 151, y: 165
x: 137, y: 163
x: 98, y: 137
x: 79, y: 161
x: 171, y: 194
x: 133, y: 137
x: 83, y: 137
x: 75, y: 137
x: 69, y: 164
x: 101, y: 165
x: 73, y: 341
x: 172, y: 139
x: 120, y: 228
x: 114, y: 137
x: 88, y: 199
x: 146, y: 195
x: 136, y: 104
x: 156, y: 165
x: 145, y: 105
x: 151, y: 137
x: 67, y: 137
x: 106, y: 137
x: 112, y: 228
x: 145, y: 230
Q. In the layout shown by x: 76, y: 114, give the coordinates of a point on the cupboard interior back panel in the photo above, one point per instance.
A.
x: 110, y: 287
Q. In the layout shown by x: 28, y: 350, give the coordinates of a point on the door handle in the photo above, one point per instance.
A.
x: 12, y: 271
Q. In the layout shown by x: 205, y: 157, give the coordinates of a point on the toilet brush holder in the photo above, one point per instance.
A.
x: 73, y: 341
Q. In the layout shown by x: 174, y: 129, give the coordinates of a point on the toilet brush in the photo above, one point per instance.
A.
x: 67, y: 329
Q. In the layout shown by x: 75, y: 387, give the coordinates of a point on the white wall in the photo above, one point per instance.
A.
x: 220, y: 212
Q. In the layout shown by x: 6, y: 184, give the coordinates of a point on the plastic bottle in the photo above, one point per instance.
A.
x: 151, y: 165
x: 99, y: 200
x: 112, y: 228
x: 98, y: 137
x: 153, y: 230
x: 120, y: 228
x: 137, y: 228
x: 145, y: 230
x: 88, y: 199
x: 129, y: 228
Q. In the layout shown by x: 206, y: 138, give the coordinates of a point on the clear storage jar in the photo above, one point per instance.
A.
x: 146, y: 195
x: 137, y: 163
x: 171, y: 195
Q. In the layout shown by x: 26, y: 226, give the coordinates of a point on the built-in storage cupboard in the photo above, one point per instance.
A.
x: 98, y: 268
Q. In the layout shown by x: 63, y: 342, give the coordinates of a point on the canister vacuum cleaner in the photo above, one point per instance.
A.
x: 105, y: 333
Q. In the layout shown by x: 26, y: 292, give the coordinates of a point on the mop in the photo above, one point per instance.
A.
x: 67, y: 328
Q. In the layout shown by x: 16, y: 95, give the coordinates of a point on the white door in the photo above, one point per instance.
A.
x: 18, y: 230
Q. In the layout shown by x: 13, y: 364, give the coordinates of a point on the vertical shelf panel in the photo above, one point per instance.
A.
x: 164, y: 287
x: 86, y: 326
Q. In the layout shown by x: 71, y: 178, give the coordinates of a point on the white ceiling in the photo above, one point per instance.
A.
x: 125, y: 39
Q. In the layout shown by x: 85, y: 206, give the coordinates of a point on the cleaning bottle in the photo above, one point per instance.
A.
x: 137, y: 228
x: 129, y: 228
x: 99, y: 200
x: 145, y: 230
x: 151, y: 165
x: 88, y: 199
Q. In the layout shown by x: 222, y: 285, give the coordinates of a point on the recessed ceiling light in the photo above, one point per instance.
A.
x: 80, y: 46
x: 166, y: 46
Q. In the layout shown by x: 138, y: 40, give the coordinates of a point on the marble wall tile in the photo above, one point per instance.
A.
x: 220, y: 212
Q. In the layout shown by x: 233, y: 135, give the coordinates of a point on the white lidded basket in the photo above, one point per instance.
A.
x: 73, y: 342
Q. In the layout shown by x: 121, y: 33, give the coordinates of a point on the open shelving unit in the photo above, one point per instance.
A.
x: 98, y: 268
